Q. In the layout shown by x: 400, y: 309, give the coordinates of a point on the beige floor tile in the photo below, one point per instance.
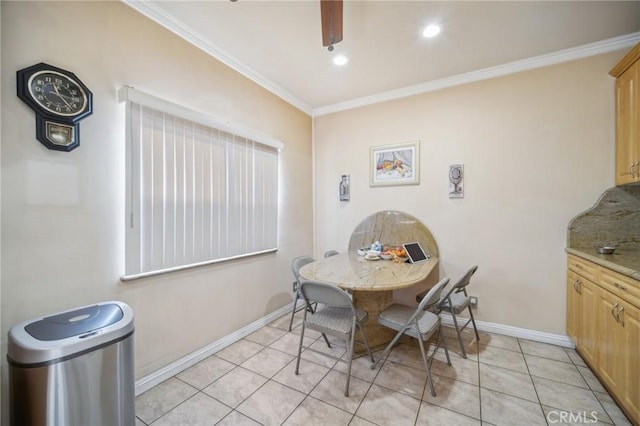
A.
x: 357, y: 421
x: 309, y: 375
x: 454, y: 395
x: 503, y: 358
x: 469, y: 341
x: 544, y: 350
x: 568, y: 398
x: 266, y: 335
x: 575, y: 357
x: 500, y: 409
x: 283, y: 322
x: 198, y: 410
x: 407, y: 353
x: 313, y: 412
x: 591, y: 379
x: 162, y: 398
x: 555, y: 370
x: 271, y: 404
x: 360, y: 367
x: 206, y: 372
x: 402, y: 378
x: 465, y: 370
x: 139, y: 422
x: 433, y: 415
x: 320, y: 346
x: 267, y: 362
x: 331, y: 390
x: 384, y: 407
x: 614, y: 412
x: 237, y: 419
x: 289, y: 343
x: 500, y: 341
x: 235, y: 386
x: 240, y: 351
x: 508, y: 382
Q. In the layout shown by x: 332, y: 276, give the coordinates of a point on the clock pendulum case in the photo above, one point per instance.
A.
x: 59, y: 99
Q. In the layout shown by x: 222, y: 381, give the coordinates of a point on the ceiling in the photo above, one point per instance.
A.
x: 279, y: 43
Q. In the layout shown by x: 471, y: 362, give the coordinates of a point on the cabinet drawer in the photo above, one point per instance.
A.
x: 582, y: 267
x: 625, y: 287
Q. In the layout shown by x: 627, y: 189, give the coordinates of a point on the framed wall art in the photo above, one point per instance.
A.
x: 397, y: 164
x: 456, y: 181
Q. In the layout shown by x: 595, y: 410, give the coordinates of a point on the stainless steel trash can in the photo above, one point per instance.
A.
x: 73, y: 368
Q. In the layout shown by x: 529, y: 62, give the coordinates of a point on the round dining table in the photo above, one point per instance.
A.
x: 371, y: 284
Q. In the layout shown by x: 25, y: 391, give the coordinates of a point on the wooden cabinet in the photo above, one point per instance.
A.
x: 603, y: 320
x: 627, y: 74
x: 581, y: 323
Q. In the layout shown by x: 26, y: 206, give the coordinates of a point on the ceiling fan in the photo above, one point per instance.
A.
x: 331, y: 13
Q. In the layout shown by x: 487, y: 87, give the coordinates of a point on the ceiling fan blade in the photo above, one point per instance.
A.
x: 331, y: 12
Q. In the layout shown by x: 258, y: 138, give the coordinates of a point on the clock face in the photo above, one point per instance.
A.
x: 57, y: 93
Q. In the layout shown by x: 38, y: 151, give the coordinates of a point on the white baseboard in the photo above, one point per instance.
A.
x: 147, y: 382
x: 507, y: 330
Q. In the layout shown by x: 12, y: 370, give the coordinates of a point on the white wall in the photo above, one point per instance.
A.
x: 537, y: 149
x: 63, y: 213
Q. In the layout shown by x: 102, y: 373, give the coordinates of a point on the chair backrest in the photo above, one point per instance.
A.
x: 298, y: 263
x: 432, y: 297
x: 459, y: 285
x: 330, y: 253
x: 328, y: 294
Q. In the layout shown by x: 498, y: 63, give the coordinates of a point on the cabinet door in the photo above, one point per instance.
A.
x: 589, y: 322
x: 610, y: 336
x: 574, y: 308
x: 627, y: 123
x: 581, y: 321
x: 630, y: 360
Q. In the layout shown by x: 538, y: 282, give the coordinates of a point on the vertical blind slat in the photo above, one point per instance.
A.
x: 196, y: 193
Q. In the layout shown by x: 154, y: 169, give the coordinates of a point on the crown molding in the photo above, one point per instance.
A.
x: 156, y: 14
x: 153, y: 12
x: 566, y: 55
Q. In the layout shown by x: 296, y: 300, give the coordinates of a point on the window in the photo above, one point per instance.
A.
x: 197, y: 192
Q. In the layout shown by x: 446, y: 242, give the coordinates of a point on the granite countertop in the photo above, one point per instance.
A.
x: 623, y: 261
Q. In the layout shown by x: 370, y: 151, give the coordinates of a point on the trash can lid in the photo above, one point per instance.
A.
x: 68, y: 334
x: 74, y: 323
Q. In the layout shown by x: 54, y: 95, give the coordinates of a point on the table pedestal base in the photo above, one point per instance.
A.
x: 374, y: 302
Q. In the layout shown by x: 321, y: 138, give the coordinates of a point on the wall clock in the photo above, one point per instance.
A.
x: 59, y: 99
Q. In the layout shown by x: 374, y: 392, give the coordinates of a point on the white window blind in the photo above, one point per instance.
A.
x: 196, y: 194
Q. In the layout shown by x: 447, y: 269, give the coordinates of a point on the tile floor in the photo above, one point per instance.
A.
x: 504, y: 381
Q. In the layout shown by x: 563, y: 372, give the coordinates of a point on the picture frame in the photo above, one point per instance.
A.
x: 397, y: 164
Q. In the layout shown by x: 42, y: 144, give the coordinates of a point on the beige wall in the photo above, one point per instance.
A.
x: 537, y: 149
x: 62, y: 240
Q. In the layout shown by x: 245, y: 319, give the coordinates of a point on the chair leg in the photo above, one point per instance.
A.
x: 444, y: 344
x: 366, y: 342
x: 426, y: 365
x: 300, y: 344
x: 455, y: 323
x: 350, y: 357
x: 389, y: 347
x: 293, y: 310
x: 473, y: 321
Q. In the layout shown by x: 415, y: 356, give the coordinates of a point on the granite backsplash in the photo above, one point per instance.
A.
x: 613, y: 221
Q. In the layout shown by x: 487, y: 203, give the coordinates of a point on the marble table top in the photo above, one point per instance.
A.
x: 352, y: 272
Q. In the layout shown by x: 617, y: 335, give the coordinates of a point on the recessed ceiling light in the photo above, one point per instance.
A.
x: 431, y: 30
x: 340, y: 60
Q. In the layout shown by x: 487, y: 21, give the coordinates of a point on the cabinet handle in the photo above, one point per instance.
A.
x: 578, y: 266
x: 620, y: 320
x: 576, y: 286
x: 621, y: 287
x: 613, y: 312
